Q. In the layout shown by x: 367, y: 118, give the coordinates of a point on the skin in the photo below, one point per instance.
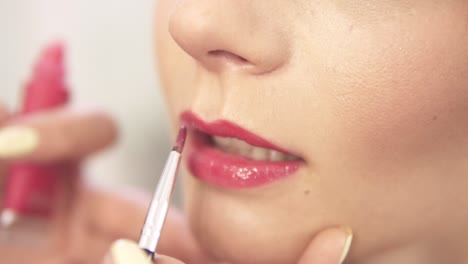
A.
x: 87, y: 219
x: 377, y: 94
x: 371, y: 94
x: 325, y: 248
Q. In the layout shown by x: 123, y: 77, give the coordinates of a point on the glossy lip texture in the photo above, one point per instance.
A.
x: 215, y: 167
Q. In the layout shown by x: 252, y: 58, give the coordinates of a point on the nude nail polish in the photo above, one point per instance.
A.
x: 347, y: 246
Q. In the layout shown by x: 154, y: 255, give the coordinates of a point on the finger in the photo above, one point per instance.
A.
x: 55, y: 136
x: 121, y: 214
x: 160, y: 259
x: 178, y: 241
x: 86, y: 245
x: 4, y: 113
x: 96, y: 248
x: 128, y: 252
x: 328, y: 247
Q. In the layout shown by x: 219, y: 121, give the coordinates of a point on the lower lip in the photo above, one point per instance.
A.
x: 228, y: 171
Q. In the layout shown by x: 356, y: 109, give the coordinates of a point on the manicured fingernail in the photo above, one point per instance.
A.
x: 127, y: 252
x: 347, y: 246
x: 16, y: 141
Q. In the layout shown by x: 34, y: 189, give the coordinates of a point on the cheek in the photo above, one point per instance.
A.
x: 411, y: 104
x: 384, y: 86
x: 399, y: 111
x: 389, y: 121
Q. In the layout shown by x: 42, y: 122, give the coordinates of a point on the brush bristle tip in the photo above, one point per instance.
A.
x: 180, y: 141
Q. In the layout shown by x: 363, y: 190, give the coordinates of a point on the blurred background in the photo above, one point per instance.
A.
x: 111, y: 65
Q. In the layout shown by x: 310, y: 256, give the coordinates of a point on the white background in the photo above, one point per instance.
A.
x: 111, y: 65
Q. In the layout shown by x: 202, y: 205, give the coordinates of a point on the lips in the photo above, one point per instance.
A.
x: 225, y: 155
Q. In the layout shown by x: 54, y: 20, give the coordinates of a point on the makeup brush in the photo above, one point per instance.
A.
x: 159, y: 206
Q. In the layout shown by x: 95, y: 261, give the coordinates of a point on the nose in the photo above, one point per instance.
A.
x: 226, y: 35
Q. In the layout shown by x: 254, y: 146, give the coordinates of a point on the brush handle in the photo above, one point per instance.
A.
x: 159, y: 206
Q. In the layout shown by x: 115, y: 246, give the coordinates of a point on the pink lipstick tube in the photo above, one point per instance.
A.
x: 31, y: 189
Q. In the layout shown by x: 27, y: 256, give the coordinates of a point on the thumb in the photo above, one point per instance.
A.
x: 128, y: 252
x: 330, y: 246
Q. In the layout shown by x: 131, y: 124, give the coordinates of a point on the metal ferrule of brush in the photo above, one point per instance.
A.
x: 159, y: 205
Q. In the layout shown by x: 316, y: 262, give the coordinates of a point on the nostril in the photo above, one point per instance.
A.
x: 228, y: 57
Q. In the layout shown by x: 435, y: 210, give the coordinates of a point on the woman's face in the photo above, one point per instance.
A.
x: 372, y: 96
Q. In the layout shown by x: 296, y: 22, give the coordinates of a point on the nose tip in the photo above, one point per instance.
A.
x: 224, y: 35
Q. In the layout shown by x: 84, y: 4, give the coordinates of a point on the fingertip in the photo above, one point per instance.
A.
x: 330, y: 246
x: 347, y: 244
x: 18, y: 141
x: 127, y: 252
x: 108, y: 124
x: 62, y: 135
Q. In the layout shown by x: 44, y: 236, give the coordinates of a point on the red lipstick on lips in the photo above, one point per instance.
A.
x: 215, y: 167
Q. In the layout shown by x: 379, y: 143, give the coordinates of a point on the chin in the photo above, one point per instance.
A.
x: 241, y: 230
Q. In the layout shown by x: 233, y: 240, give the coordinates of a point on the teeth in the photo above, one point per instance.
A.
x: 223, y: 143
x: 241, y: 148
x: 277, y: 156
x: 259, y: 153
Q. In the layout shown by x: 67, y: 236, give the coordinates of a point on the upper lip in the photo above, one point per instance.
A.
x: 224, y: 128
